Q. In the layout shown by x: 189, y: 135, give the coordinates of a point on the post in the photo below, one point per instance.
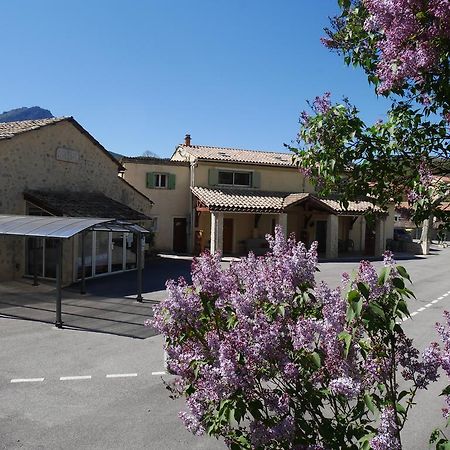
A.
x: 332, y: 237
x: 282, y: 222
x: 35, y: 261
x: 58, y: 322
x: 139, y: 268
x: 216, y: 232
x: 83, y: 264
x: 363, y: 234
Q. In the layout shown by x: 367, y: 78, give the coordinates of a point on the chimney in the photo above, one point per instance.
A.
x: 187, y: 140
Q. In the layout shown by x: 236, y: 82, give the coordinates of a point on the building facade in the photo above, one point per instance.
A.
x: 238, y: 196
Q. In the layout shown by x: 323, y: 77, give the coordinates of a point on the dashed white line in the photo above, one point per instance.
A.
x: 121, y: 375
x: 428, y: 305
x: 414, y: 313
x: 445, y: 295
x: 434, y: 301
x: 159, y: 373
x: 76, y: 377
x: 26, y: 380
x: 420, y: 310
x: 440, y: 298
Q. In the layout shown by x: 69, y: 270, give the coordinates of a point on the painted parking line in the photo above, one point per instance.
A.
x: 76, y: 377
x: 26, y: 380
x: 121, y: 375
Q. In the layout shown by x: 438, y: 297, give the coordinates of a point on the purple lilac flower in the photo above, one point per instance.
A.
x: 386, y: 438
x: 345, y: 386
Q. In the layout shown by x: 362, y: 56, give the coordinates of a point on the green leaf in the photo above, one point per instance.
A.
x: 377, y: 310
x: 369, y: 402
x: 315, y: 359
x: 384, y: 274
x: 446, y: 390
x: 364, y: 289
x: 403, y: 273
x: 347, y: 338
x: 398, y: 283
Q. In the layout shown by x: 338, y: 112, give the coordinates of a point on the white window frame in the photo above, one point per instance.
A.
x: 250, y: 173
x: 159, y: 176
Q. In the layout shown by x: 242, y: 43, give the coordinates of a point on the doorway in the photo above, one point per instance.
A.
x: 179, y: 235
x: 321, y: 236
x: 228, y: 227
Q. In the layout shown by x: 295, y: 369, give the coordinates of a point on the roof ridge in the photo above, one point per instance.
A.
x: 197, y: 146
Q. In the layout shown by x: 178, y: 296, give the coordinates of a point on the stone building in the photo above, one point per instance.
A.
x: 55, y: 167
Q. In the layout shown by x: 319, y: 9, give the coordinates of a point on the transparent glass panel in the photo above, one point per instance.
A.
x: 242, y: 178
x: 50, y: 257
x: 101, y: 252
x: 117, y: 250
x: 87, y: 255
x: 225, y: 177
x: 131, y: 251
x: 34, y: 249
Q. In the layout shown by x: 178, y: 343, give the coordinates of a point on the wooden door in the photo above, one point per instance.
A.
x: 227, y: 236
x: 179, y: 235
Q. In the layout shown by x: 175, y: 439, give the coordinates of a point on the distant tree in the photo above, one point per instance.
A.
x: 403, y: 47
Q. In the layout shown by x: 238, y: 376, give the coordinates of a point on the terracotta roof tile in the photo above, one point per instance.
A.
x: 244, y: 200
x: 238, y: 156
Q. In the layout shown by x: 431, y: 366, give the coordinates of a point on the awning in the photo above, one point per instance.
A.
x: 64, y: 228
x: 61, y: 227
x: 82, y: 204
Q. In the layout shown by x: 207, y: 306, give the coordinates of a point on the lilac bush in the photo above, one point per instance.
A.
x: 269, y: 359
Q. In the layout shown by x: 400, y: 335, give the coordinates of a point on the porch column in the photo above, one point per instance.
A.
x: 332, y: 236
x: 380, y: 241
x: 216, y: 232
x: 282, y: 222
x: 363, y: 234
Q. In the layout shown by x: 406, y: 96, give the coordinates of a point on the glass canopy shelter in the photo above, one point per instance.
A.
x: 59, y: 228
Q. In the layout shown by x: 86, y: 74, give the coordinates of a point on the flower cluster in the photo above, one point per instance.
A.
x: 262, y: 352
x: 412, y: 32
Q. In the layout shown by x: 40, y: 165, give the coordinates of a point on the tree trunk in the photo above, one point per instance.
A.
x: 425, y: 239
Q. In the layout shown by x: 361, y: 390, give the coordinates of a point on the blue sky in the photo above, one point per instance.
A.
x: 138, y: 75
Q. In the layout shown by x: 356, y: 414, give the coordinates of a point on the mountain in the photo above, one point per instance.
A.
x: 33, y: 113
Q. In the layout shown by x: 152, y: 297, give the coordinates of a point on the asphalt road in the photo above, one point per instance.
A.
x: 121, y: 403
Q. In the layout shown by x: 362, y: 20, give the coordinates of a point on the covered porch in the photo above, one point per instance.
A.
x: 235, y: 222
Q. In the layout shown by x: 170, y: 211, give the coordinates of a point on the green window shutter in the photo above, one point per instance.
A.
x: 213, y: 177
x: 172, y: 178
x: 256, y: 180
x: 150, y: 180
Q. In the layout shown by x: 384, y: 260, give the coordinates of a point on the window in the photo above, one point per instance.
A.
x: 160, y: 180
x: 235, y: 178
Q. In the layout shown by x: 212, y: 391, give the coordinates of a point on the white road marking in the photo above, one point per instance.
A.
x: 26, y: 380
x: 421, y: 309
x: 77, y: 377
x: 445, y: 295
x: 159, y: 373
x: 434, y: 301
x: 440, y: 298
x: 428, y: 305
x: 414, y: 313
x: 121, y: 375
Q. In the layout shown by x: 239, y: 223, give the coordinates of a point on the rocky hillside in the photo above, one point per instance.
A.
x: 33, y: 113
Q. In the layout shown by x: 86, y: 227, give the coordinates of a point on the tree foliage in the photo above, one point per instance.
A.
x: 403, y: 47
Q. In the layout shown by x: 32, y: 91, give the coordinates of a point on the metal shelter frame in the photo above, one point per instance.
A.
x: 60, y: 228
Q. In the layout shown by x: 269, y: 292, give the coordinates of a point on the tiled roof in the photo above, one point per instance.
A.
x: 238, y: 156
x: 244, y: 200
x: 240, y: 200
x: 153, y: 161
x: 82, y: 204
x: 10, y: 129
